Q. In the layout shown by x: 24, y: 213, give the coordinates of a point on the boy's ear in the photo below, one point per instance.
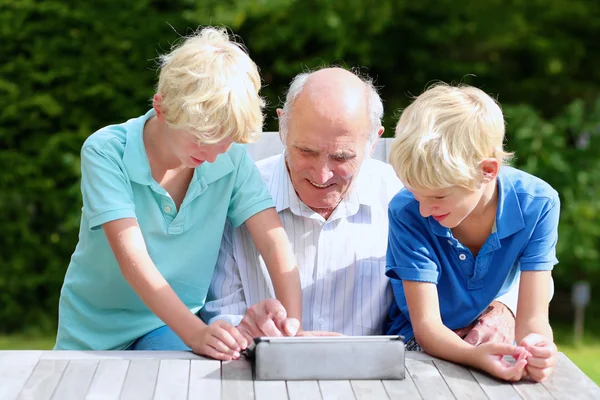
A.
x: 156, y: 104
x: 490, y: 167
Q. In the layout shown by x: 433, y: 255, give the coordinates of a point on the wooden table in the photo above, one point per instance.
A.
x: 134, y: 375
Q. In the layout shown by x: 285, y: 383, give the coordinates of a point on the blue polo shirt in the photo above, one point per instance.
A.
x: 420, y: 249
x: 98, y: 309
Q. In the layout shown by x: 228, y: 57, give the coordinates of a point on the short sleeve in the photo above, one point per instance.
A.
x: 540, y: 252
x: 250, y: 194
x: 106, y: 190
x: 409, y: 254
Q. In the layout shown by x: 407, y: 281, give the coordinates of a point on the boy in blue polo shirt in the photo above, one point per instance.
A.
x: 463, y: 230
x: 157, y: 191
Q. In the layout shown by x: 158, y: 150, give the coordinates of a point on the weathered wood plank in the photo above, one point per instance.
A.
x: 368, y: 390
x: 15, y: 368
x: 43, y: 381
x: 172, y: 381
x: 108, y: 380
x: 120, y: 355
x: 401, y: 389
x: 530, y: 390
x: 303, y: 390
x: 236, y: 380
x: 569, y: 382
x: 460, y: 380
x: 270, y: 390
x: 76, y: 380
x: 205, y: 380
x: 140, y: 380
x: 495, y: 389
x: 428, y: 380
x: 336, y: 390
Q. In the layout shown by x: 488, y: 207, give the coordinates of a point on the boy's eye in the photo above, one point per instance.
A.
x: 440, y: 197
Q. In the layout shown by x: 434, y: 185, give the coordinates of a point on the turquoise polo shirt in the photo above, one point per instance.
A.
x: 420, y: 249
x: 98, y: 309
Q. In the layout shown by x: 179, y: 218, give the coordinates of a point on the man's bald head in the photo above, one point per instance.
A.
x: 337, y: 93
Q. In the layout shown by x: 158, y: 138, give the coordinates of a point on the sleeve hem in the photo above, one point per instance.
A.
x: 241, y: 217
x: 97, y: 221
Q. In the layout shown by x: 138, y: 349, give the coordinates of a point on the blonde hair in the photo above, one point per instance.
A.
x: 444, y: 135
x: 209, y: 86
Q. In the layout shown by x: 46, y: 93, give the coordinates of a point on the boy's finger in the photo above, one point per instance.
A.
x: 541, y: 362
x: 225, y: 337
x: 213, y: 353
x: 218, y: 345
x: 542, y: 350
x: 237, y: 336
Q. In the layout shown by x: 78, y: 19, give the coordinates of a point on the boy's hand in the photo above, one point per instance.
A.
x: 490, y: 358
x: 542, y: 357
x: 219, y: 340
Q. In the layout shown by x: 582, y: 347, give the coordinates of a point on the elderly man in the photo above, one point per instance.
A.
x: 332, y: 199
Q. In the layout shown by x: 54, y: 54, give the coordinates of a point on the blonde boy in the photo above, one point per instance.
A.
x: 464, y: 230
x: 157, y: 191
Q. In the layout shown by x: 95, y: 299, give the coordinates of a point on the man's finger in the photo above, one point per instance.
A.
x: 268, y: 328
x: 318, y: 333
x: 290, y: 326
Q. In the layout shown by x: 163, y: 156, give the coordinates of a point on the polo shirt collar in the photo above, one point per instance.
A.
x: 135, y: 158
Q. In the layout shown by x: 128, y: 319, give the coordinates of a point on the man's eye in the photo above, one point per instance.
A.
x: 342, y: 158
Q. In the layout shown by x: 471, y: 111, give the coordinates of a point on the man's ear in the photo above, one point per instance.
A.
x: 379, y: 133
x: 279, y: 114
x: 156, y: 104
x: 490, y: 167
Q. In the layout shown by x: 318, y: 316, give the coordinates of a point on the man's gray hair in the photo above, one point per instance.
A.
x: 374, y: 104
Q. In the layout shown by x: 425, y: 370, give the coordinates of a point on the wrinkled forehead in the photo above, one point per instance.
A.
x: 327, y: 128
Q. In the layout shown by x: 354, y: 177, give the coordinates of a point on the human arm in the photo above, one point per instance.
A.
x: 220, y: 341
x: 438, y: 340
x: 273, y: 244
x: 532, y: 329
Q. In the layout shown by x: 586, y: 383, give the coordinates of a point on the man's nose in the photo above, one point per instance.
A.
x: 323, y: 172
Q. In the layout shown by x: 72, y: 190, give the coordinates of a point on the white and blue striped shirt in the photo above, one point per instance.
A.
x: 341, y: 260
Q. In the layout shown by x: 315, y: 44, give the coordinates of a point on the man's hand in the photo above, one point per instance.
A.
x: 496, y: 324
x: 267, y: 318
x: 219, y: 340
x: 542, y: 356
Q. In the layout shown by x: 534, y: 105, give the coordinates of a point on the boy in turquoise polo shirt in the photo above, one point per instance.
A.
x: 463, y: 230
x: 157, y: 191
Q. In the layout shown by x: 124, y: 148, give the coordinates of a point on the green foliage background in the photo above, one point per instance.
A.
x: 69, y: 67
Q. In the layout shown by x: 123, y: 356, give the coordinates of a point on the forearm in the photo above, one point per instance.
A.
x: 439, y: 341
x: 286, y: 278
x: 273, y: 245
x: 155, y: 292
x: 525, y: 326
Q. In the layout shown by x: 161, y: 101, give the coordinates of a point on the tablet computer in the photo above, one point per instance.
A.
x: 327, y: 357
